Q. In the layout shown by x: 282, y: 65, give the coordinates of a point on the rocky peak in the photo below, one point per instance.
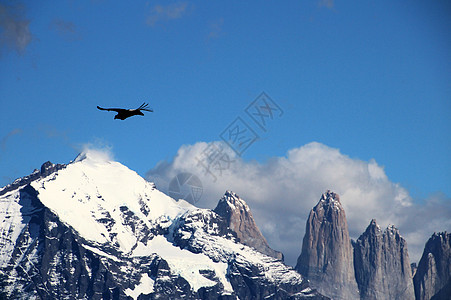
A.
x: 46, y: 169
x: 232, y: 202
x: 326, y: 258
x: 433, y: 275
x: 373, y: 228
x: 329, y: 197
x: 382, y: 265
x: 330, y: 200
x: 239, y: 219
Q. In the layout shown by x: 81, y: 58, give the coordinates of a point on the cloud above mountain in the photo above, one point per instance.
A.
x: 282, y: 190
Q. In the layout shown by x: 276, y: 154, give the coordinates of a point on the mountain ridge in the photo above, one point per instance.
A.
x: 95, y: 229
x: 239, y: 218
x: 382, y: 264
x: 380, y: 259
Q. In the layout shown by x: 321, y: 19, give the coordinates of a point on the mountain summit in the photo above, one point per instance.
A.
x: 382, y: 265
x: 95, y: 229
x: 239, y: 219
x: 432, y: 279
x: 327, y: 257
x: 377, y: 263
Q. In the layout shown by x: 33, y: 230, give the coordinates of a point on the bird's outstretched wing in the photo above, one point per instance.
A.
x: 111, y: 109
x: 144, y: 107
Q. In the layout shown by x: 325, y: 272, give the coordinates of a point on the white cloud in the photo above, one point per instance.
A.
x: 160, y: 13
x: 98, y: 151
x: 282, y: 190
x: 423, y: 220
x: 14, y: 29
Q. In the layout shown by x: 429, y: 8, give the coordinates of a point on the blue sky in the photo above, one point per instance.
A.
x: 372, y: 79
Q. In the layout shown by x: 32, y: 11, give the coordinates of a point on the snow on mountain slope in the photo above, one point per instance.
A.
x: 103, y: 192
x: 187, y: 264
x: 13, y: 219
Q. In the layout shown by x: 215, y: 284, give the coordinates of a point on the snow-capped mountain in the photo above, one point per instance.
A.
x: 239, y: 219
x: 94, y: 229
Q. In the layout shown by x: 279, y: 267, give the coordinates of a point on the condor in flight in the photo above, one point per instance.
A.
x: 123, y: 113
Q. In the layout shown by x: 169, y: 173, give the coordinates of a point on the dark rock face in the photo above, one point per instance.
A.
x: 47, y: 168
x: 413, y: 267
x: 432, y: 279
x: 50, y: 261
x: 240, y: 220
x: 382, y: 266
x: 327, y: 256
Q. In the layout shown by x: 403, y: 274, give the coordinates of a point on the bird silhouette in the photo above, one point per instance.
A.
x: 123, y: 113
